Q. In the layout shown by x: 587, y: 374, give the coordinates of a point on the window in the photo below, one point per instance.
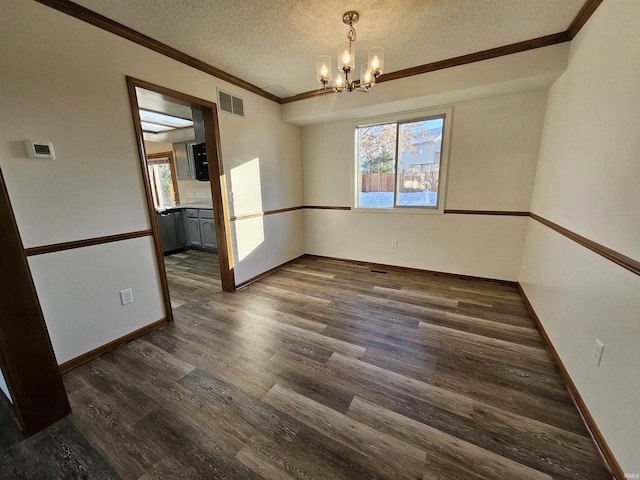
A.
x: 162, y: 178
x: 402, y: 163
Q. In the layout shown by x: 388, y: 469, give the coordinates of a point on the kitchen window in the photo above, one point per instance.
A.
x: 163, y: 180
x: 401, y: 164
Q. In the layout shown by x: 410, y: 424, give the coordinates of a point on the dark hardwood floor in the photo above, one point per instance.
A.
x: 321, y: 370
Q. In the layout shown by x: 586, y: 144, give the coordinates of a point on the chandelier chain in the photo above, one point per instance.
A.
x: 352, y: 33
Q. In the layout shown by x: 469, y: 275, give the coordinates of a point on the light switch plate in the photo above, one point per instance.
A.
x: 598, y: 350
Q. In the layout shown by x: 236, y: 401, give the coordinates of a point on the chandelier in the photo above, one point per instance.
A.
x: 347, y: 63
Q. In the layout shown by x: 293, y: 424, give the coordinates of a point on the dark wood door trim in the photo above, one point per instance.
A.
x: 216, y: 181
x: 27, y: 359
x: 219, y: 197
x: 137, y: 125
x: 184, y: 98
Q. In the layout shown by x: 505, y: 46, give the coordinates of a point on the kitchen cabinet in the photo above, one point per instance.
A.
x: 183, y: 157
x: 200, y: 228
x: 192, y: 228
x: 207, y: 229
x: 208, y: 233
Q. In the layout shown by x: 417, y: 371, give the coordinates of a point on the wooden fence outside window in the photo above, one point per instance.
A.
x: 409, y: 182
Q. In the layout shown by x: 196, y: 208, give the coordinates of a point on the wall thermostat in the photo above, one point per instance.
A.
x: 42, y: 150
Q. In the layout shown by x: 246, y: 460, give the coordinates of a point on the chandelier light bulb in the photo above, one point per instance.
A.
x: 346, y: 56
x: 323, y: 69
x: 367, y: 78
x: 376, y: 60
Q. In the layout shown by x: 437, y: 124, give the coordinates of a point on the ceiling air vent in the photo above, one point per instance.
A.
x: 230, y: 103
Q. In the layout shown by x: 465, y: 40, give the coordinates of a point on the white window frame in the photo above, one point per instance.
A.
x: 406, y: 117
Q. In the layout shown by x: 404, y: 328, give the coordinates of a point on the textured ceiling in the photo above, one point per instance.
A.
x: 275, y: 42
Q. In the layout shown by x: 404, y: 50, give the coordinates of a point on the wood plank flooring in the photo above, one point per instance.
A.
x: 326, y: 370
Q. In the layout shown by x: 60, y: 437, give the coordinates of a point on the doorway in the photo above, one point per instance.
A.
x: 162, y: 171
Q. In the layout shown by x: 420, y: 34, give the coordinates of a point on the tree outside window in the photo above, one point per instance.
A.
x: 162, y: 177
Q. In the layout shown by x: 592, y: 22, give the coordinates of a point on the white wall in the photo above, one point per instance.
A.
x: 261, y: 138
x: 494, y: 149
x: 587, y: 181
x: 81, y: 301
x: 264, y: 173
x: 265, y: 241
x: 64, y: 81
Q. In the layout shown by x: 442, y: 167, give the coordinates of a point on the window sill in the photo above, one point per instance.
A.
x: 401, y: 210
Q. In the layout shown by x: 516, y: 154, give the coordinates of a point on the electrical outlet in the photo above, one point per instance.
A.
x: 126, y: 296
x: 277, y: 244
x: 598, y: 349
x: 394, y: 243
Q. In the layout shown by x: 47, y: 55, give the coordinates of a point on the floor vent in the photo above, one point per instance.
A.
x: 379, y: 271
x: 230, y: 103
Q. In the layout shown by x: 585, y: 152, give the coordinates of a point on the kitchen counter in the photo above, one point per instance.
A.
x: 182, y: 206
x: 203, y: 206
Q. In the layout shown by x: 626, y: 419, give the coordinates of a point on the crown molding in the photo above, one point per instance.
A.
x: 100, y: 21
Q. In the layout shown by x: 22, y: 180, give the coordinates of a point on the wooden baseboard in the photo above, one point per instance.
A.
x: 264, y: 274
x: 382, y: 266
x: 610, y: 461
x: 378, y: 266
x: 96, y: 352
